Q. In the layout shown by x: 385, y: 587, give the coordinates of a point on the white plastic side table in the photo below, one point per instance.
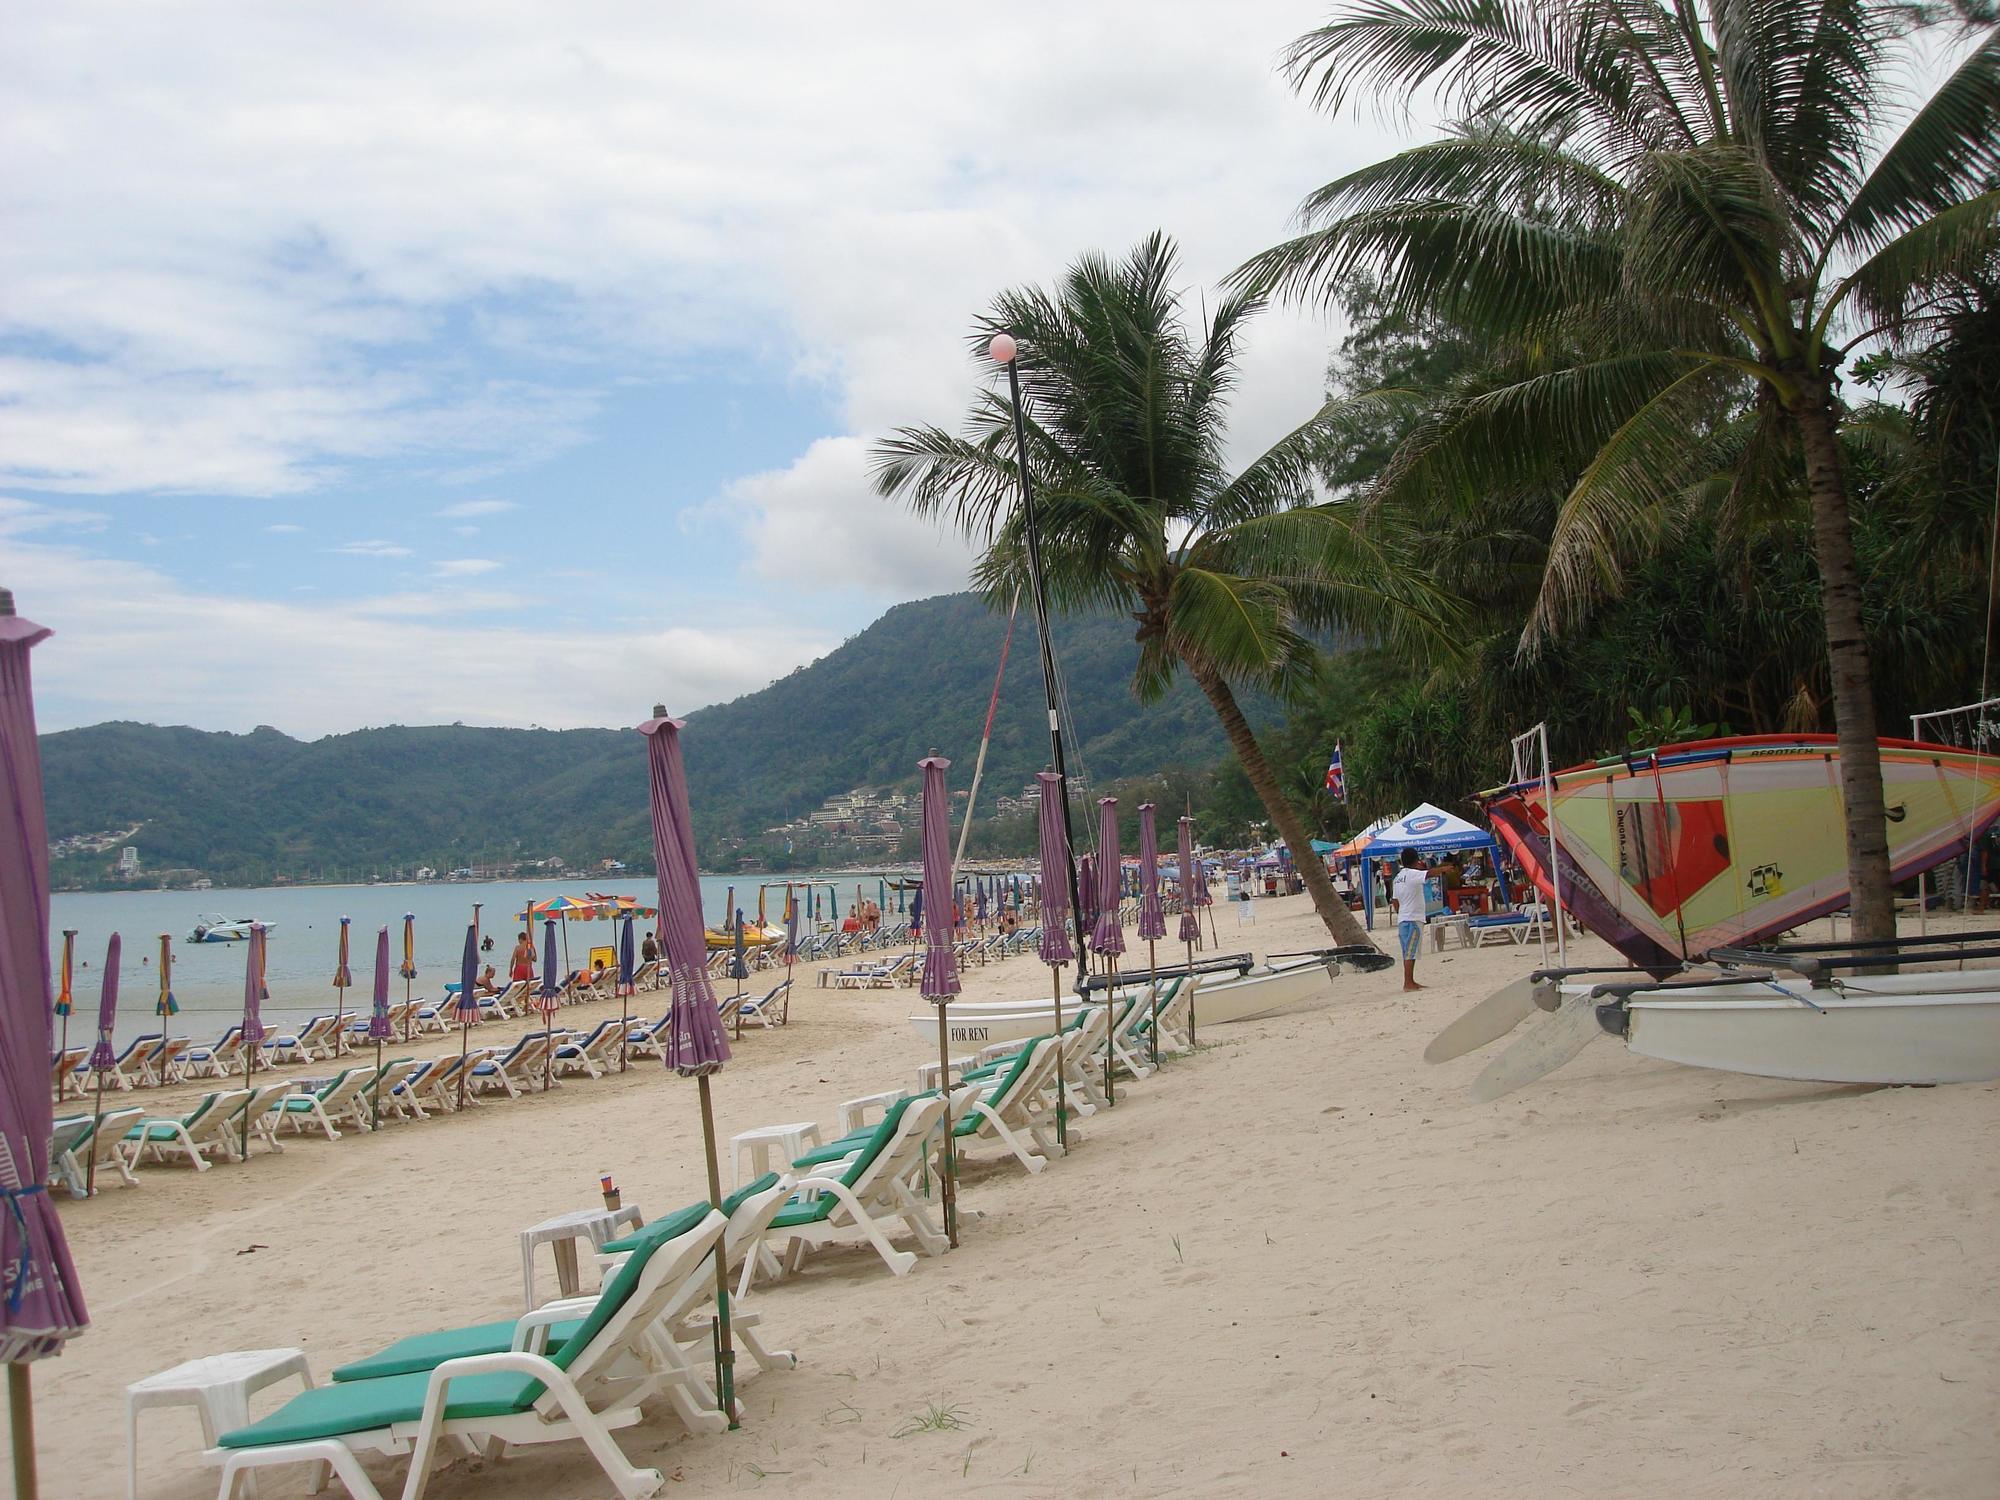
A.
x: 598, y: 1225
x: 757, y: 1144
x: 219, y: 1385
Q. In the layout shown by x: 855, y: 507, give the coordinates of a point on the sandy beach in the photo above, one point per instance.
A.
x: 1298, y: 1262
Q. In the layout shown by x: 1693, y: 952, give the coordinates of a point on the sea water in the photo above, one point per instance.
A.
x: 304, y: 944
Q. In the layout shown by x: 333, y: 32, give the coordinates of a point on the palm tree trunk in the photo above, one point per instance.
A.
x: 1870, y: 899
x: 1284, y: 817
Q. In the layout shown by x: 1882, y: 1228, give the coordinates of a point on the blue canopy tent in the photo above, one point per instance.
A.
x: 1428, y: 830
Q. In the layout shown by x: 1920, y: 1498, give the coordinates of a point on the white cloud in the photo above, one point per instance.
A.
x: 284, y: 528
x: 19, y: 517
x: 465, y: 531
x: 375, y: 548
x: 466, y: 567
x: 465, y: 510
x: 127, y: 635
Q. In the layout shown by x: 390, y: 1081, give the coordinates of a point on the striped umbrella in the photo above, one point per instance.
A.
x: 1054, y: 946
x: 409, y: 967
x: 1152, y: 921
x: 166, y: 1005
x: 940, y: 973
x: 65, y: 1003
x: 342, y: 978
x: 379, y: 1028
x: 1107, y: 936
x: 696, y: 1045
x: 1190, y: 918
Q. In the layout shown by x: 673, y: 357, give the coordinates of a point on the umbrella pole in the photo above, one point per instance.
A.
x: 21, y: 1431
x: 1110, y: 963
x: 725, y: 1352
x: 375, y: 1094
x: 249, y: 1066
x: 90, y: 1162
x: 948, y: 1179
x: 407, y: 1012
x: 62, y: 1074
x: 464, y: 1044
x: 1190, y: 980
x: 1153, y: 1024
x: 1062, y: 1101
x: 624, y: 1025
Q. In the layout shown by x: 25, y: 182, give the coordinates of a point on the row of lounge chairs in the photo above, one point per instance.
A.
x: 579, y: 1370
x: 229, y: 1123
x: 905, y: 968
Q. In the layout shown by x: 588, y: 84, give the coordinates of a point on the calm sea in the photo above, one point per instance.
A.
x: 305, y: 941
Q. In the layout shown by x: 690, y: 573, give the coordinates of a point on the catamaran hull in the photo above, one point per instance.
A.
x: 1260, y: 994
x: 1899, y: 1034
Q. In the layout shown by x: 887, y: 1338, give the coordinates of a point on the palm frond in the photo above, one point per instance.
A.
x: 1949, y: 151
x: 1952, y: 244
x: 1498, y: 168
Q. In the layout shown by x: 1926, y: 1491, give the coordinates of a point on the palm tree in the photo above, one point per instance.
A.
x: 1231, y: 577
x: 1692, y: 196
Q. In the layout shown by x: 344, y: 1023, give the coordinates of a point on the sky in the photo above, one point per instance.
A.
x: 518, y: 364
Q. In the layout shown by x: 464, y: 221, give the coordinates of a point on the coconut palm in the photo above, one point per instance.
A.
x: 1231, y: 577
x: 1692, y: 195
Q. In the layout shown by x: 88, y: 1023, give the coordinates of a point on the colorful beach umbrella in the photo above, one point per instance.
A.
x: 65, y: 1003
x: 166, y: 1005
x: 379, y: 1029
x: 696, y: 1045
x: 43, y: 1304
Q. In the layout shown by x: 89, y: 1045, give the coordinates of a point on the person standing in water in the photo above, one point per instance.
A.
x: 1409, y: 890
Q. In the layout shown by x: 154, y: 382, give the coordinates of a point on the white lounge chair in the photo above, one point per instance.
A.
x: 332, y: 1100
x: 203, y: 1130
x: 777, y: 999
x: 81, y: 1139
x: 866, y: 1192
x: 592, y: 1384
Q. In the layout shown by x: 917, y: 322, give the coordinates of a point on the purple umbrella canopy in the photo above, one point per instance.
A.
x: 696, y: 1043
x: 43, y: 1305
x: 1107, y: 935
x: 550, y: 987
x: 468, y: 977
x: 1054, y: 876
x: 1086, y: 890
x: 1152, y: 921
x: 104, y: 1054
x: 379, y: 1028
x: 1190, y: 921
x: 628, y: 965
x: 940, y: 976
x: 253, y: 987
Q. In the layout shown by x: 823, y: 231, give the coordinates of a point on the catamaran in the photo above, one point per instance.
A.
x: 225, y: 929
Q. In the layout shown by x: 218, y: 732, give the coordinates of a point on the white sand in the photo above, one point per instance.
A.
x: 1300, y: 1262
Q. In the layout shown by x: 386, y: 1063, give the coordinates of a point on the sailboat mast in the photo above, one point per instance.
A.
x: 986, y: 735
x: 1004, y: 349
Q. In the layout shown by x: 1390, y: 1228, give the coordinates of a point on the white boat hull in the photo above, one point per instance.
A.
x: 1904, y: 1028
x: 1259, y: 994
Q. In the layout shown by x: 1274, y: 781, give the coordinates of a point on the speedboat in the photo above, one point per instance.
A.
x: 226, y: 929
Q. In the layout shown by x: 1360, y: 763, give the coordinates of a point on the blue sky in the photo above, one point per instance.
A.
x: 366, y: 364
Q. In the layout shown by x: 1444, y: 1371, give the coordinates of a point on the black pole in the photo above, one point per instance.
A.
x: 1039, y: 589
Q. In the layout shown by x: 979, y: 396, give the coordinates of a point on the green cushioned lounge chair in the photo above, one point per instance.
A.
x: 582, y: 1389
x: 869, y: 1190
x: 202, y: 1130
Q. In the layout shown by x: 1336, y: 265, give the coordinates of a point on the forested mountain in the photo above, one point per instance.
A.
x: 249, y: 807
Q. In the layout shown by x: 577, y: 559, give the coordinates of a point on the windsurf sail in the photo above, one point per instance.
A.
x: 1715, y: 843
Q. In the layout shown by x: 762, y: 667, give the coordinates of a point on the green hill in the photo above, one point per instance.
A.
x: 245, y: 808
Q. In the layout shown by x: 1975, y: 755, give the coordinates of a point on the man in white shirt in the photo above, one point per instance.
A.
x: 1409, y: 890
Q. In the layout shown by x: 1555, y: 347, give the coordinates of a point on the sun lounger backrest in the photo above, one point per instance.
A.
x: 639, y: 1281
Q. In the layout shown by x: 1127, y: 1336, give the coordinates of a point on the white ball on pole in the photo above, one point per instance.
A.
x: 1002, y: 348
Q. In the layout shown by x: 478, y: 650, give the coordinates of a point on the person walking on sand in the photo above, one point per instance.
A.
x: 649, y: 950
x: 522, y: 965
x: 1410, y: 915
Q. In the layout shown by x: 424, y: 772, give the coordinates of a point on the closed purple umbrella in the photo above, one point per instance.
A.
x: 254, y: 996
x: 467, y: 1009
x: 1054, y: 946
x: 696, y: 1045
x: 43, y: 1305
x: 104, y: 1055
x: 940, y: 974
x: 1152, y: 921
x: 379, y: 1028
x: 628, y: 984
x: 1086, y: 892
x: 1107, y: 933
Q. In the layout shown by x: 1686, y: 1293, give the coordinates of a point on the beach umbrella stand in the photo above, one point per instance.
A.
x: 65, y: 1003
x: 253, y: 1015
x: 1152, y: 922
x: 409, y: 968
x: 1108, y: 937
x: 940, y: 972
x: 1054, y: 947
x: 628, y: 985
x: 697, y: 1045
x: 1190, y: 913
x: 104, y: 1055
x: 343, y: 977
x: 547, y: 996
x: 468, y: 1001
x: 379, y: 1029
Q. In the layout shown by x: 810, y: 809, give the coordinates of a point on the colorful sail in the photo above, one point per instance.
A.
x: 1671, y: 853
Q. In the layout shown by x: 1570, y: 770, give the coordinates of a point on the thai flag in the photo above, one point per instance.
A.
x: 1336, y: 776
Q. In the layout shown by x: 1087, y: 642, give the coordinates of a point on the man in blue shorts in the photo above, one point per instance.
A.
x: 1409, y: 891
